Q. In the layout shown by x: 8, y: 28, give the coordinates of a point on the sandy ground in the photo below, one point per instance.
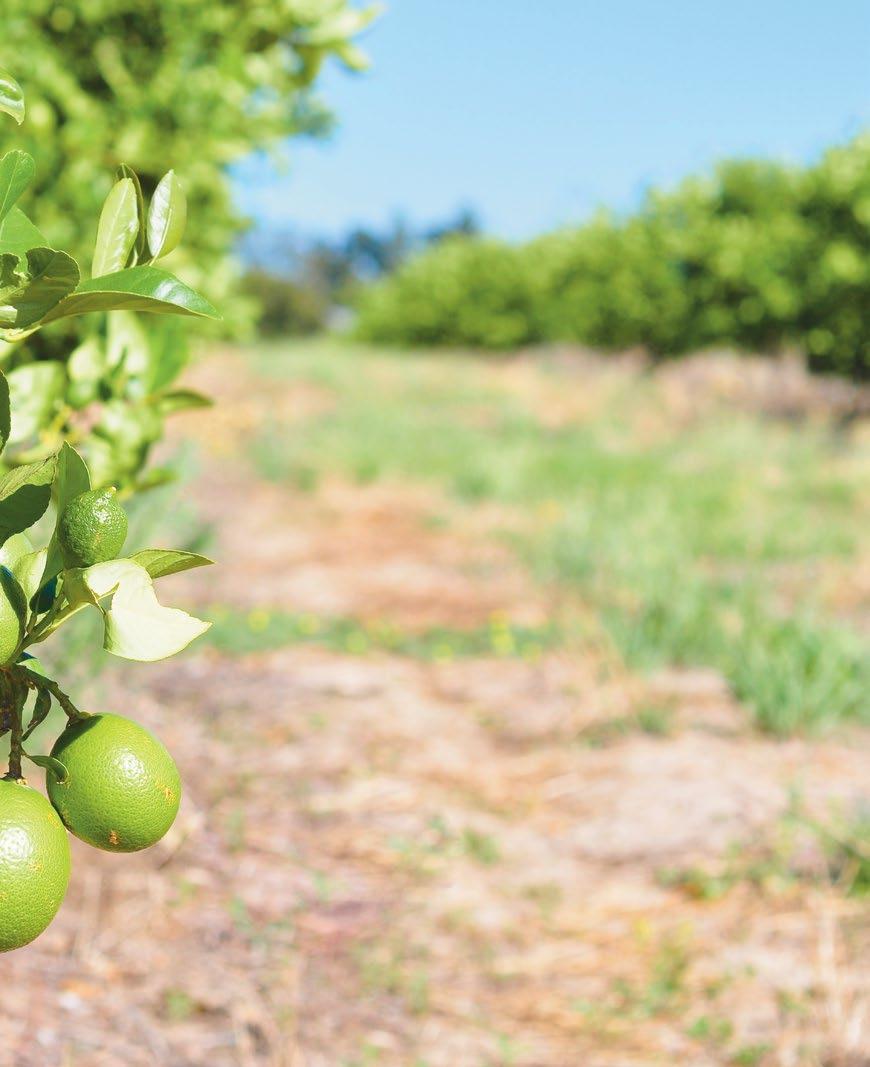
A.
x: 382, y: 861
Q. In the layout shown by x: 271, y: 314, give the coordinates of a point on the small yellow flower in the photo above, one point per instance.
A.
x: 258, y: 620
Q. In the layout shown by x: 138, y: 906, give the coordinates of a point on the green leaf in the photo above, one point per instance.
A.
x: 127, y: 345
x: 170, y: 353
x: 137, y: 626
x: 24, y: 496
x: 49, y: 763
x: 334, y: 29
x: 71, y: 478
x: 5, y: 412
x: 162, y: 561
x: 354, y: 58
x: 154, y: 478
x: 16, y: 173
x: 18, y: 234
x: 167, y: 216
x: 140, y: 288
x: 45, y: 598
x: 28, y: 660
x: 11, y: 280
x: 28, y: 571
x: 11, y: 96
x: 41, y: 706
x: 15, y: 595
x: 13, y: 549
x: 52, y: 276
x: 35, y: 390
x: 181, y: 400
x: 116, y: 233
x: 140, y: 248
x: 87, y: 362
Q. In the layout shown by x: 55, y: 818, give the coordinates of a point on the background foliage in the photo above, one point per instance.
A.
x: 168, y: 83
x: 149, y: 85
x: 756, y: 255
x: 297, y: 283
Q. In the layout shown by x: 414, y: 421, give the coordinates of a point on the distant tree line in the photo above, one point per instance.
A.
x: 755, y: 255
x: 302, y: 284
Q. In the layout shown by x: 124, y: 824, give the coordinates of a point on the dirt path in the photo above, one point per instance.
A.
x: 383, y: 862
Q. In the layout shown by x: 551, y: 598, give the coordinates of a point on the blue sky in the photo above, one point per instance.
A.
x: 535, y: 112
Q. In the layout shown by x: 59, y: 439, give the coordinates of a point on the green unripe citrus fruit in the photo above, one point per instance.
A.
x: 12, y: 603
x: 92, y: 528
x: 13, y: 608
x: 122, y: 788
x: 34, y: 864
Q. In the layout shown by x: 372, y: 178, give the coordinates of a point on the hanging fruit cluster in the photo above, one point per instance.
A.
x: 109, y: 781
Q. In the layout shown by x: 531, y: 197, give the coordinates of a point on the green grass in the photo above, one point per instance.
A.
x: 261, y: 630
x: 779, y: 860
x: 694, y: 543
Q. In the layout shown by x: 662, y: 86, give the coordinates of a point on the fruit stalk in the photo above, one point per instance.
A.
x: 14, y: 696
x: 31, y: 680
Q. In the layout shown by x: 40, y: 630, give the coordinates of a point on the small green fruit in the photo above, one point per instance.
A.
x: 13, y: 611
x: 34, y: 864
x: 122, y: 788
x: 92, y: 528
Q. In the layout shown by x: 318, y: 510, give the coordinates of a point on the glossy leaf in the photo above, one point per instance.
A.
x: 24, y: 496
x: 11, y: 96
x: 28, y: 570
x: 160, y: 562
x: 11, y: 280
x: 142, y: 288
x: 18, y: 234
x: 167, y: 216
x: 50, y: 764
x: 116, y: 233
x: 16, y: 173
x: 41, y: 707
x: 52, y: 275
x: 71, y: 476
x: 137, y: 626
x: 140, y: 248
x: 13, y: 592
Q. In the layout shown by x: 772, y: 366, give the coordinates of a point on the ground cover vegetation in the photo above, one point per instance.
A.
x: 647, y: 518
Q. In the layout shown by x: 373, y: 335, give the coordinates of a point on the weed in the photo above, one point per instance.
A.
x: 749, y: 1055
x: 480, y: 847
x: 178, y: 1005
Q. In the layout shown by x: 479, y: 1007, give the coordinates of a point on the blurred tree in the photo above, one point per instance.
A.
x: 756, y: 254
x: 156, y: 84
x: 297, y: 283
